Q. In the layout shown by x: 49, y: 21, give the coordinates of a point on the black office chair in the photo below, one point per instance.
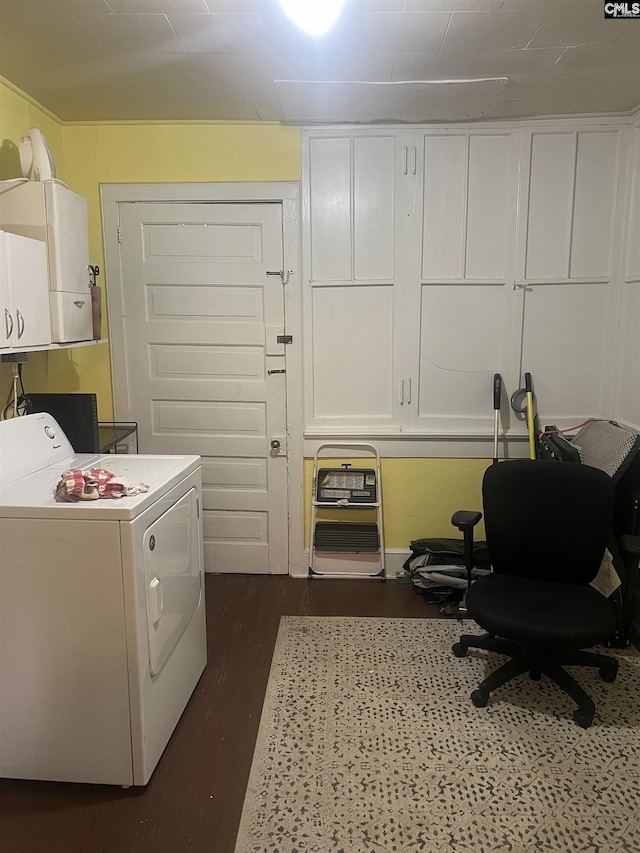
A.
x: 546, y: 528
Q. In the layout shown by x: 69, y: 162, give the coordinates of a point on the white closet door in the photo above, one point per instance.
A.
x: 201, y: 321
x: 628, y: 385
x: 566, y: 266
x: 462, y: 309
x: 356, y: 197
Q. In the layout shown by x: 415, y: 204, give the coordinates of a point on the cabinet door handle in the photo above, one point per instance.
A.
x: 405, y: 167
x: 408, y: 392
x: 20, y: 319
x: 415, y: 159
x: 8, y: 322
x: 402, y: 392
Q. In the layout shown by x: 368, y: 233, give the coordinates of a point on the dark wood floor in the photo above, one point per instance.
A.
x: 194, y: 799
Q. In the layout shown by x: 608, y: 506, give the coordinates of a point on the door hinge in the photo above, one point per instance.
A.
x: 119, y: 230
x: 284, y: 339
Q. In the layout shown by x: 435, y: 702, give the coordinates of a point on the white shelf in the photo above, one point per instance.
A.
x: 51, y: 347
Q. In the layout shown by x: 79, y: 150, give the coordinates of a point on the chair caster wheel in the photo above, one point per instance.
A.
x: 459, y: 650
x: 583, y: 718
x: 608, y: 673
x: 479, y: 698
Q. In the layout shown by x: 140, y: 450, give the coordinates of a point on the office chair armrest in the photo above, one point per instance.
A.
x: 464, y: 519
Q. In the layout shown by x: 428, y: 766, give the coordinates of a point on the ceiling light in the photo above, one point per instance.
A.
x: 314, y: 17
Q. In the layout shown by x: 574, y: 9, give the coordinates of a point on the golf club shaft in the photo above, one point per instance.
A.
x: 497, y: 389
x: 528, y: 384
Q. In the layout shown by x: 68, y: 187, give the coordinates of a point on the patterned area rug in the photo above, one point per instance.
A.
x: 369, y: 742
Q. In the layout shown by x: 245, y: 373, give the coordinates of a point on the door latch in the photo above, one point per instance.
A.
x: 284, y: 339
x: 284, y: 277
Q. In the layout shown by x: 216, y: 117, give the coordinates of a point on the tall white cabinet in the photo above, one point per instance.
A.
x: 437, y: 257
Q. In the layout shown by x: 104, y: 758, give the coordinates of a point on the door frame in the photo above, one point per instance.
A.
x: 286, y: 194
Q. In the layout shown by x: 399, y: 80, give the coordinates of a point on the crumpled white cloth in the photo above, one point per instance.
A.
x: 77, y: 485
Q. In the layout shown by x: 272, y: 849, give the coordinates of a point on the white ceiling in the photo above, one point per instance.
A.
x: 386, y: 60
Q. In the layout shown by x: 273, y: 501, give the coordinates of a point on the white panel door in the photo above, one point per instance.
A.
x: 205, y: 371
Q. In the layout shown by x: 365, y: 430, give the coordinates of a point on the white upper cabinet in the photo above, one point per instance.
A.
x: 571, y: 196
x: 330, y: 200
x: 49, y: 211
x: 443, y: 207
x: 24, y: 292
x: 467, y: 202
x: 352, y: 208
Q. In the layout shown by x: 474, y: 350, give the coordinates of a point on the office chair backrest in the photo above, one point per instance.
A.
x: 546, y: 520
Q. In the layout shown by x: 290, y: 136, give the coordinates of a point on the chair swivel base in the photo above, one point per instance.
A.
x: 537, y: 662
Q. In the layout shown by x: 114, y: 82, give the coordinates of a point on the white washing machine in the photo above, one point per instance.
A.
x: 102, y: 615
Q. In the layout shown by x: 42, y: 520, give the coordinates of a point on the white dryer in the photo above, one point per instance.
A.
x: 102, y: 615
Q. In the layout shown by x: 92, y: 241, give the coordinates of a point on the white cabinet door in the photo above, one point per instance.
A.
x: 25, y: 304
x: 569, y: 192
x: 6, y: 321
